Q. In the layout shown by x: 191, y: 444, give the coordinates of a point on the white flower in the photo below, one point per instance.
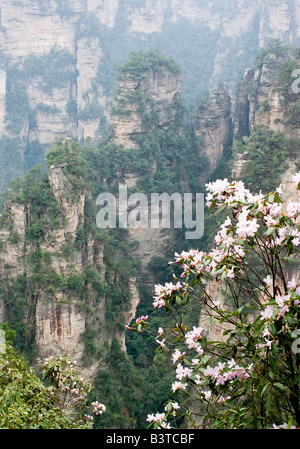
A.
x: 207, y: 395
x: 161, y: 343
x: 217, y: 304
x: 246, y: 228
x: 267, y: 313
x: 292, y: 285
x: 192, y: 337
x: 178, y: 386
x: 182, y: 372
x: 268, y: 280
x: 177, y: 355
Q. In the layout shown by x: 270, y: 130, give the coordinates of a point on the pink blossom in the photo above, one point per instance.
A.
x: 217, y: 304
x: 178, y: 386
x: 221, y: 399
x: 267, y: 313
x: 231, y: 273
x: 270, y: 221
x: 141, y: 319
x: 177, y: 355
x: 246, y: 227
x: 161, y: 343
x: 293, y: 208
x: 217, y: 187
x: 182, y: 372
x: 283, y: 311
x: 98, y: 408
x: 269, y: 281
x: 283, y: 426
x: 207, y: 395
x: 195, y: 362
x: 192, y: 337
x: 158, y: 303
x: 157, y: 418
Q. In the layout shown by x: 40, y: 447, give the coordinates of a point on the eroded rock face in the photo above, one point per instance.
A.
x: 72, y: 210
x: 156, y: 92
x: 59, y: 327
x: 12, y: 238
x: 213, y: 125
x: 56, y: 317
x: 260, y: 100
x: 82, y: 106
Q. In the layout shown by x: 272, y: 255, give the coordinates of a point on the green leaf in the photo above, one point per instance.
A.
x: 220, y: 209
x: 277, y: 199
x: 296, y: 380
x: 265, y: 387
x: 248, y: 386
x: 194, y: 281
x: 273, y: 364
x: 259, y: 330
x: 268, y: 404
x: 279, y: 385
x: 272, y: 328
x: 270, y: 231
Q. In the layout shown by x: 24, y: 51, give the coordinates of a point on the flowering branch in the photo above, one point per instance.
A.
x: 248, y: 376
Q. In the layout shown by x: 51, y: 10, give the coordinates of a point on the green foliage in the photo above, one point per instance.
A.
x: 272, y: 53
x: 71, y: 108
x: 128, y: 390
x: 90, y: 111
x: 88, y: 26
x: 266, y: 152
x: 63, y: 8
x: 26, y: 402
x: 47, y: 109
x: 141, y: 62
x: 11, y: 150
x: 53, y: 70
x: 17, y: 109
x: 68, y: 153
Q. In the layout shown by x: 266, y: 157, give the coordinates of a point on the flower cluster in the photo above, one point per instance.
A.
x: 159, y: 420
x: 66, y: 379
x: 227, y: 372
x: 66, y: 384
x: 162, y: 291
x: 98, y: 408
x: 140, y: 324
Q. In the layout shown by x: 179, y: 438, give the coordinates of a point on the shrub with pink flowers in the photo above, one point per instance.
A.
x: 29, y: 403
x: 239, y: 365
x: 70, y: 390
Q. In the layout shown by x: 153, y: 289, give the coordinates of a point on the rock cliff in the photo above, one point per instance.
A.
x: 213, y: 126
x: 58, y: 59
x: 266, y: 98
x: 144, y: 103
x: 53, y: 272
